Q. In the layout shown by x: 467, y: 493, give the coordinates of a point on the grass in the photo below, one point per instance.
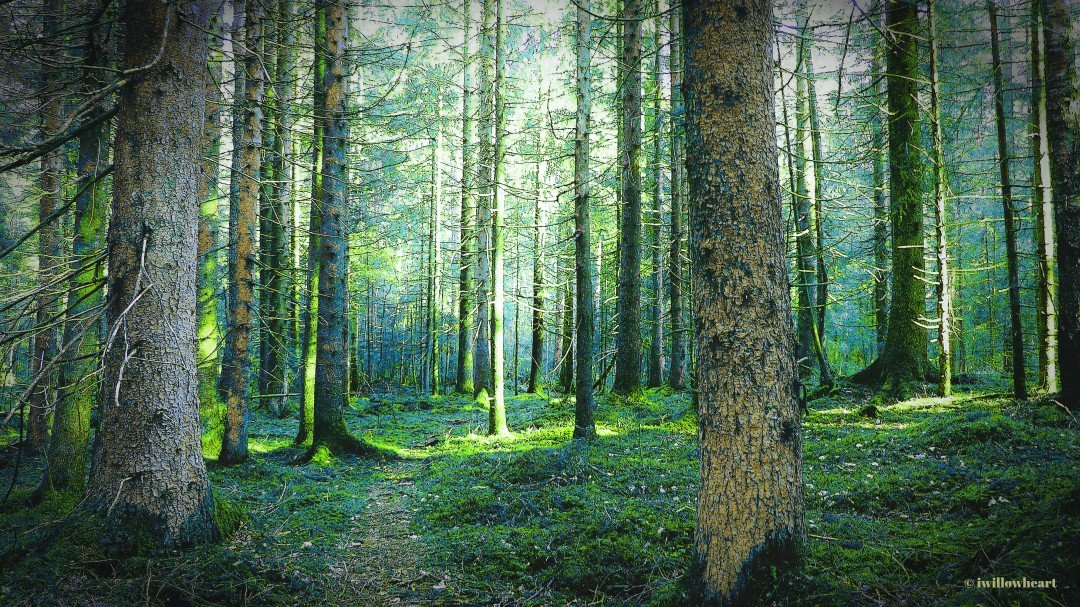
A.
x: 902, y: 508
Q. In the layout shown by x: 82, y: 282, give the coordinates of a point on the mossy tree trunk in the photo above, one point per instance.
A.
x: 497, y: 407
x: 68, y: 446
x: 1046, y: 294
x: 750, y: 504
x: 148, y: 478
x: 654, y: 372
x: 902, y: 364
x: 941, y: 184
x: 467, y: 259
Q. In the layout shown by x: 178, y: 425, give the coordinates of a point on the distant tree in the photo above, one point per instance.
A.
x: 147, y: 476
x: 750, y: 504
x: 467, y: 258
x: 676, y: 272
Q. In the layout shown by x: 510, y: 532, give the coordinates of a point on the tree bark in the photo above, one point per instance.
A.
x: 497, y: 410
x: 482, y: 379
x: 536, y: 350
x: 466, y: 313
x: 750, y: 504
x: 148, y: 478
x: 1016, y: 332
x: 236, y: 371
x: 628, y: 340
x: 655, y: 369
x: 1046, y: 293
x: 584, y: 405
x: 943, y: 287
x: 676, y: 273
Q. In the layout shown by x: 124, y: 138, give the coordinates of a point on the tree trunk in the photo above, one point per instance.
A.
x: 208, y: 333
x: 482, y: 379
x: 435, y: 257
x: 676, y: 278
x: 750, y: 504
x: 466, y: 314
x: 236, y: 369
x: 902, y: 364
x: 944, y: 292
x: 43, y: 367
x: 148, y: 477
x: 68, y: 447
x: 1046, y: 294
x: 332, y: 326
x: 655, y: 369
x: 584, y: 405
x: 881, y: 201
x: 497, y: 410
x: 536, y: 350
x: 805, y: 323
x: 628, y: 341
x: 1015, y: 328
x: 310, y: 308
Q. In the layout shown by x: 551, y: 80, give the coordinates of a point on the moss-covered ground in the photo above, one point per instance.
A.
x: 903, y: 508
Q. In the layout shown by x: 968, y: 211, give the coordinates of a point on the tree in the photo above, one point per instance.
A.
x: 655, y: 284
x: 148, y: 475
x: 584, y: 405
x: 68, y: 445
x: 941, y: 184
x: 536, y: 349
x: 1065, y: 179
x: 497, y: 407
x: 1046, y: 294
x: 43, y: 368
x: 628, y: 340
x: 332, y: 327
x: 902, y: 363
x: 750, y: 504
x: 1015, y: 328
x: 236, y: 372
x: 482, y: 380
x: 676, y: 273
x: 879, y: 152
x: 466, y: 315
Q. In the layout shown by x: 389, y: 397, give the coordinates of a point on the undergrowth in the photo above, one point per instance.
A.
x: 902, y: 509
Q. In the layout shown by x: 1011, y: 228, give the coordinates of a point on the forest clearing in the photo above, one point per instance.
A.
x: 540, y: 302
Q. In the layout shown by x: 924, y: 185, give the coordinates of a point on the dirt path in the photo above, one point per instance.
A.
x: 381, y: 553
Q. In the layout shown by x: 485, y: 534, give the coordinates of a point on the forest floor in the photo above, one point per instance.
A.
x: 903, y: 508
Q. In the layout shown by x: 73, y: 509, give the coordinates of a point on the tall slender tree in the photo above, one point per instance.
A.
x: 236, y: 372
x: 148, y: 478
x: 676, y: 273
x: 467, y: 258
x: 1042, y: 207
x: 68, y: 445
x: 482, y: 380
x: 497, y: 407
x: 654, y: 372
x: 536, y: 349
x: 1016, y: 331
x: 750, y: 504
x: 941, y: 184
x: 628, y: 341
x: 584, y: 357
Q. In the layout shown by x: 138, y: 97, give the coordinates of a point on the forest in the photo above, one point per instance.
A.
x: 540, y: 303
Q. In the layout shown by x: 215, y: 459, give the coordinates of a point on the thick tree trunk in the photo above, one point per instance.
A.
x: 1016, y: 332
x: 466, y: 313
x: 903, y: 363
x: 750, y: 505
x: 1046, y: 294
x: 676, y: 279
x: 584, y: 405
x: 497, y: 409
x: 236, y: 371
x: 332, y: 326
x: 68, y: 446
x: 941, y: 184
x: 148, y: 477
x: 628, y: 340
